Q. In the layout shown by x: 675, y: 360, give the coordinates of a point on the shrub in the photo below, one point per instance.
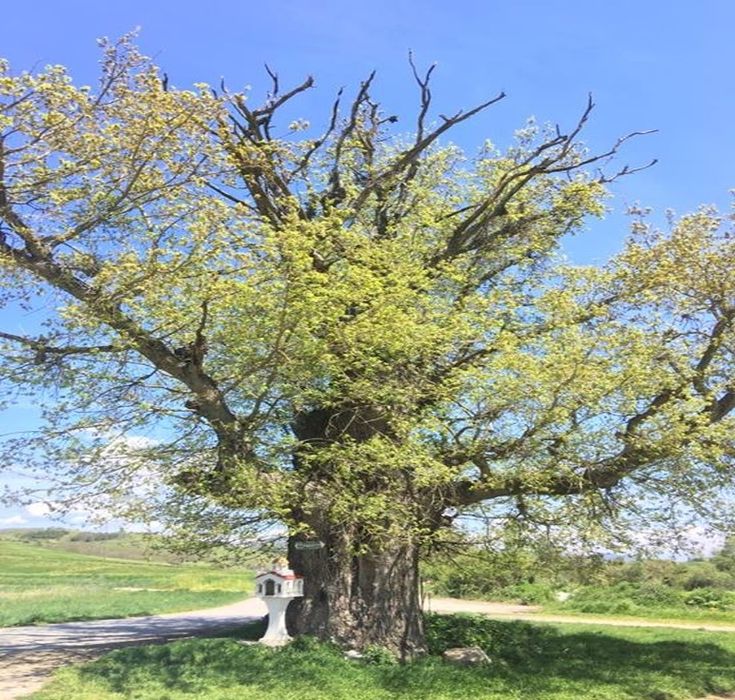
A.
x: 704, y: 575
x: 529, y: 593
x: 710, y: 599
x: 510, y: 641
x: 614, y: 606
x: 605, y: 600
x: 655, y: 595
x: 624, y: 598
x: 379, y: 656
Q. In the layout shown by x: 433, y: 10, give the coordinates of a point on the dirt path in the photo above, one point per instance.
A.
x: 28, y: 655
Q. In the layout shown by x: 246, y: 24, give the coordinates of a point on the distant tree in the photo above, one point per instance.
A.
x: 47, y: 533
x: 94, y: 536
x: 724, y: 559
x: 356, y: 335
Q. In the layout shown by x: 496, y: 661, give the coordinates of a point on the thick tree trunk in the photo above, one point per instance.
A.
x: 357, y: 601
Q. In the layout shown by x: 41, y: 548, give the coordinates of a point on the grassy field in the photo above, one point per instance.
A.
x: 41, y: 584
x: 529, y: 662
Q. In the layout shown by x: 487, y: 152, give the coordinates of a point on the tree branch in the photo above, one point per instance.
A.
x: 543, y: 160
x: 409, y: 156
x: 41, y: 347
x: 211, y: 401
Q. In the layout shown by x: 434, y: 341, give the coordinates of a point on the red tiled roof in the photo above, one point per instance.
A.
x: 285, y: 577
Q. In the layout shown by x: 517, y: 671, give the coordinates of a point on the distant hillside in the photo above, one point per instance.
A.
x: 118, y: 545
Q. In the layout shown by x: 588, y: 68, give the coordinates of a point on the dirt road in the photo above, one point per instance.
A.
x: 28, y: 655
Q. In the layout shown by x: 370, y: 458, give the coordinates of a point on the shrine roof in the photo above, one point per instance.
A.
x: 285, y: 576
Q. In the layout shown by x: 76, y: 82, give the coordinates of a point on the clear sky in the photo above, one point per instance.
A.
x: 650, y: 65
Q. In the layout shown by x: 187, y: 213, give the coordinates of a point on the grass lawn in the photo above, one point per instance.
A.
x: 40, y: 584
x: 530, y: 662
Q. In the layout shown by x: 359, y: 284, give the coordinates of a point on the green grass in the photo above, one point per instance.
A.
x: 663, y: 614
x: 624, y: 601
x: 530, y: 662
x: 40, y: 584
x: 650, y: 601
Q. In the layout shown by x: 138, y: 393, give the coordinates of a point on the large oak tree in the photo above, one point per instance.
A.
x: 357, y: 335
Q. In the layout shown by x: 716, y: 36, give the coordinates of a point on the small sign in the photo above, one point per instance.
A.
x: 313, y: 544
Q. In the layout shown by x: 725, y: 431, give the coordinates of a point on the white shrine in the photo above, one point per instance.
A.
x: 278, y: 587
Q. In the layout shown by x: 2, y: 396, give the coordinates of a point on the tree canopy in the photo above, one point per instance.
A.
x: 358, y: 334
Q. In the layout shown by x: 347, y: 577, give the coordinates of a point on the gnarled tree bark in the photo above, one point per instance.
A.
x: 358, y: 600
x: 357, y: 592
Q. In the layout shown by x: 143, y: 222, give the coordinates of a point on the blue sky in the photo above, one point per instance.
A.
x: 650, y: 65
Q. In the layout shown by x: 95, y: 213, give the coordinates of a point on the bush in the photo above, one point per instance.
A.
x: 510, y: 641
x: 614, y: 606
x: 529, y: 593
x: 624, y: 598
x: 655, y: 595
x: 704, y: 575
x: 604, y: 600
x: 710, y: 599
x: 379, y: 656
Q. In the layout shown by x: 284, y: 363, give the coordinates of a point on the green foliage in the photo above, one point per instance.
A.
x: 529, y: 593
x: 353, y: 331
x: 649, y: 600
x: 511, y: 571
x: 512, y: 641
x: 655, y: 595
x: 613, y: 600
x: 379, y: 655
x: 307, y: 643
x: 724, y: 560
x: 94, y: 536
x: 49, y: 533
x: 565, y: 662
x: 646, y: 588
x: 711, y: 599
x: 706, y: 575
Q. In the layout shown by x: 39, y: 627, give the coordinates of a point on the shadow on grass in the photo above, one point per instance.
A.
x: 528, y: 661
